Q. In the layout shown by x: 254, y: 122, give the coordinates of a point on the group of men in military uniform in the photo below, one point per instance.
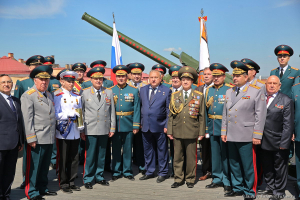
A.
x: 112, y: 115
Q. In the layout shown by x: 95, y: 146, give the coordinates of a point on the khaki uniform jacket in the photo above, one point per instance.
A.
x: 99, y: 117
x: 39, y: 116
x: 244, y: 115
x: 186, y: 119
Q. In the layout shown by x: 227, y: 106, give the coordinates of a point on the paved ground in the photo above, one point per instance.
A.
x: 125, y: 189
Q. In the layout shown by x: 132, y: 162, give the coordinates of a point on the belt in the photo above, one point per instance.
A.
x: 214, y: 116
x: 124, y: 113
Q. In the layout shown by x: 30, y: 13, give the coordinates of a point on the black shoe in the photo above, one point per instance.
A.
x: 22, y: 186
x: 39, y: 197
x: 176, y: 184
x: 88, y: 186
x: 75, y: 188
x: 142, y: 171
x: 266, y: 192
x: 145, y: 177
x: 66, y: 190
x: 190, y: 185
x: 103, y: 182
x: 227, y: 189
x: 161, y: 178
x: 213, y: 185
x: 114, y: 178
x: 53, y: 166
x: 232, y: 194
x: 130, y: 177
x: 49, y: 193
x: 107, y: 169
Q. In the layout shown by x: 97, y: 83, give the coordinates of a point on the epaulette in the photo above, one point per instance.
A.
x: 175, y: 92
x: 25, y: 78
x: 59, y: 94
x: 108, y: 88
x: 254, y: 86
x: 260, y: 81
x: 87, y: 80
x: 228, y: 85
x: 76, y: 93
x: 86, y: 88
x: 294, y: 68
x: 198, y: 92
x: 132, y: 86
x: 112, y: 87
x: 296, y: 84
x: 274, y: 69
x: 31, y: 91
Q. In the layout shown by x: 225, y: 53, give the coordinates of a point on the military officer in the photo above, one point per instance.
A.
x: 176, y: 86
x: 100, y: 122
x: 25, y: 83
x: 127, y: 104
x: 136, y: 70
x: 39, y: 120
x: 163, y: 71
x: 214, y: 100
x: 185, y: 126
x: 253, y: 70
x: 243, y: 120
x: 54, y: 83
x: 21, y: 86
x: 106, y: 83
x: 285, y: 72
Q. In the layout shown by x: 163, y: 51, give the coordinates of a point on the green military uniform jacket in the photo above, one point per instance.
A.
x: 39, y: 116
x: 186, y: 119
x: 295, y: 96
x: 166, y: 84
x: 128, y: 108
x: 288, y: 79
x: 106, y: 83
x: 23, y: 85
x: 54, y: 84
x: 214, y: 102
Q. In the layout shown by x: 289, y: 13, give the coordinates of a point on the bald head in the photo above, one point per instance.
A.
x: 273, y: 85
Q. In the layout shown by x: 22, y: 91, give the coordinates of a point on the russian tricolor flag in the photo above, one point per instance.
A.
x: 116, y: 56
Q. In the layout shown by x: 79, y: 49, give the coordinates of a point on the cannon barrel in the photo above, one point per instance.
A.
x: 128, y: 41
x: 175, y: 55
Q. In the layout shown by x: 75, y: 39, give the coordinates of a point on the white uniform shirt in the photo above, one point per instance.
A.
x: 271, y: 99
x: 65, y: 104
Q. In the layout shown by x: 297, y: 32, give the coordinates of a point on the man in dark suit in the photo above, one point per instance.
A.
x: 276, y: 139
x: 205, y: 142
x: 11, y: 135
x: 155, y: 100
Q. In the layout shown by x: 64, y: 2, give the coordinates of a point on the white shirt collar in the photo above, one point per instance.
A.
x: 188, y: 92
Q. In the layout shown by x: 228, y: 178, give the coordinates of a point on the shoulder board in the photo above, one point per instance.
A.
x: 31, y: 91
x: 86, y: 88
x: 294, y: 68
x: 228, y: 85
x: 260, y: 81
x: 132, y: 86
x: 76, y: 93
x: 296, y: 84
x: 274, y: 69
x: 25, y: 78
x: 198, y: 92
x: 59, y: 94
x: 254, y: 86
x: 108, y: 88
x: 175, y: 92
x: 112, y: 87
x: 56, y: 90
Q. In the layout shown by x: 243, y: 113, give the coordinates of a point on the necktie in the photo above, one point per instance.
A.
x: 176, y: 90
x: 98, y: 95
x: 152, y: 94
x: 238, y: 91
x: 281, y: 72
x: 268, y: 98
x: 135, y: 84
x: 185, y: 96
x: 45, y: 95
x: 13, y: 108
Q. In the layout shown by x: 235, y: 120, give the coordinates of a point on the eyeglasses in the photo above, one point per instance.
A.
x: 7, y: 82
x: 282, y: 56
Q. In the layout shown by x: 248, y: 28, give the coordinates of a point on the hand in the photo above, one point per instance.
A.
x: 135, y: 131
x: 165, y: 130
x: 224, y: 138
x: 21, y: 147
x: 82, y: 136
x: 293, y: 137
x: 281, y: 148
x: 200, y: 137
x: 256, y: 141
x: 110, y: 134
x: 32, y: 144
x: 170, y: 136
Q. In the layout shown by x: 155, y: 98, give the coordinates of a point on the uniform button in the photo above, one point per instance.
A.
x: 183, y: 112
x: 121, y: 116
x: 97, y: 120
x: 72, y: 108
x: 229, y: 109
x: 214, y: 106
x: 228, y: 121
x: 105, y: 120
x: 214, y: 112
x: 234, y: 122
x: 183, y: 117
x: 235, y: 109
x: 98, y: 110
x: 120, y: 94
x: 105, y: 111
x: 121, y: 105
x: 234, y: 116
x: 216, y: 95
x: 121, y: 99
x: 184, y: 122
x: 98, y: 116
x: 215, y: 101
x: 228, y: 115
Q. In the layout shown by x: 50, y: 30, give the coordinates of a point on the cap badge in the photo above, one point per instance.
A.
x: 157, y: 65
x: 38, y: 57
x: 282, y: 46
x: 78, y: 64
x: 98, y: 68
x: 216, y: 65
x: 136, y: 64
x: 235, y: 63
x: 244, y: 60
x: 120, y: 67
x: 186, y: 68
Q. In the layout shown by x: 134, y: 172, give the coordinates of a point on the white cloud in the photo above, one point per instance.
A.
x: 33, y: 10
x: 286, y: 3
x: 172, y: 49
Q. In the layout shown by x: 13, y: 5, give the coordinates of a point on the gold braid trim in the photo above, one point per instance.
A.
x: 115, y: 99
x: 173, y: 108
x: 209, y: 102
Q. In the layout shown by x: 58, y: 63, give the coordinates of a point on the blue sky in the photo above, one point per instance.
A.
x: 236, y: 29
